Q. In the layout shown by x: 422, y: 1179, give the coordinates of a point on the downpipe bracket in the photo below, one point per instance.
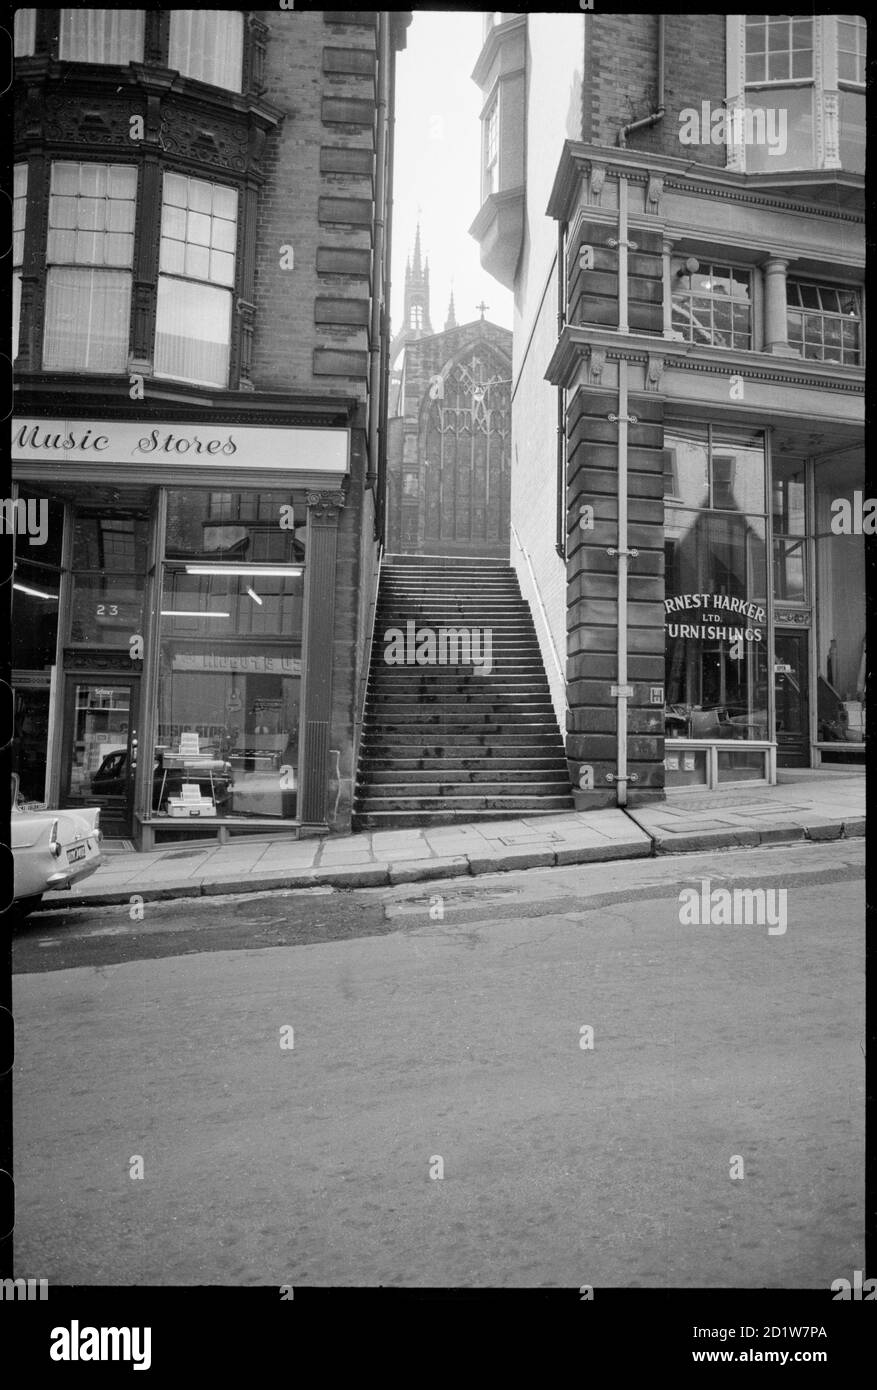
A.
x: 615, y: 419
x: 631, y: 777
x: 615, y: 241
x: 614, y: 550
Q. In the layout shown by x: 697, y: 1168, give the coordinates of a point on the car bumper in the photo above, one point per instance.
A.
x: 73, y: 873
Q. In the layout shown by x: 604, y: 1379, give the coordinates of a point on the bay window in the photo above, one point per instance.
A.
x: 208, y: 45
x: 797, y: 83
x: 196, y: 278
x: 101, y: 36
x: 89, y: 257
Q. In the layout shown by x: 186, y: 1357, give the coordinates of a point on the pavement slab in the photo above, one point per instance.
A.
x: 816, y: 807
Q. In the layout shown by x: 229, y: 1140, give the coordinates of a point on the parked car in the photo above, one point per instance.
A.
x: 213, y: 777
x: 51, y: 849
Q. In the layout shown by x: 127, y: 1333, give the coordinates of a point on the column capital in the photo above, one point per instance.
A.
x: 325, y: 505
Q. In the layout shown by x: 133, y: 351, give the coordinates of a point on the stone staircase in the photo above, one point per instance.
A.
x: 446, y: 743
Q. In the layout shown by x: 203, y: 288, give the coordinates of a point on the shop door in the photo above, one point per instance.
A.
x: 99, y: 754
x: 791, y: 683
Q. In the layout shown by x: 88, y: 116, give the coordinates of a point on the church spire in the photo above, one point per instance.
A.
x: 417, y: 322
x: 451, y: 320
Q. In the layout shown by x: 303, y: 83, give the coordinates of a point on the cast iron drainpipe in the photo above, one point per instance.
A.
x: 374, y: 388
x: 657, y: 115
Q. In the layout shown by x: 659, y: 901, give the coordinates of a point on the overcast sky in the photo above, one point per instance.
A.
x: 438, y: 149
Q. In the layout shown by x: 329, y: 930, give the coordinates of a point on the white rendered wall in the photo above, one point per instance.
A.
x: 555, y: 58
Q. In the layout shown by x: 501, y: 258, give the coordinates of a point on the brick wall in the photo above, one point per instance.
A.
x: 311, y: 327
x: 621, y: 78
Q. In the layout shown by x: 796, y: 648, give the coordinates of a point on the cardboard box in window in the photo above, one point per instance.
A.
x: 191, y: 803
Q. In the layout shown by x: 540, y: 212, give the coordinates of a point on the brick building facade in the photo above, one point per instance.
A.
x: 201, y: 351
x: 679, y: 211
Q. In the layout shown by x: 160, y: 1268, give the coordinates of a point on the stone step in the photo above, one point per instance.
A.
x: 440, y: 743
x: 443, y: 777
x: 412, y: 820
x: 555, y: 802
x: 497, y: 765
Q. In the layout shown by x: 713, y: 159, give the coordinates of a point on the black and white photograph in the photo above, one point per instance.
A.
x: 436, y: 542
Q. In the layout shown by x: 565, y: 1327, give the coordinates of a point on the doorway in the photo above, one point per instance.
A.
x: 99, y: 752
x: 791, y: 686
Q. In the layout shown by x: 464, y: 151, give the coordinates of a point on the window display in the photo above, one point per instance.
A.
x: 715, y: 586
x: 229, y: 682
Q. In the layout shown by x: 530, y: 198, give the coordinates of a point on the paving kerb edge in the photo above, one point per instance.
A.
x: 384, y: 875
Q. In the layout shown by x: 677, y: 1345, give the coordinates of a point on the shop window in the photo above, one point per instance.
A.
x: 789, y: 531
x: 262, y: 527
x: 108, y: 579
x: 712, y: 306
x: 230, y: 655
x: 19, y: 210
x: 715, y: 591
x: 24, y: 33
x: 840, y: 605
x: 196, y: 275
x: 208, y: 45
x: 89, y: 254
x: 101, y: 36
x: 824, y: 322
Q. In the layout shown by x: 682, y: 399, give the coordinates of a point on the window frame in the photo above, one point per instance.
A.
x: 791, y: 79
x: 490, y: 146
x: 74, y: 263
x: 821, y: 315
x: 229, y: 290
x: 708, y: 268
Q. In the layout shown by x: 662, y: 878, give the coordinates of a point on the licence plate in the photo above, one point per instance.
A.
x: 78, y: 852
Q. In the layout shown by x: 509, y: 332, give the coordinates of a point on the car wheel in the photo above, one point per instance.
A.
x: 24, y: 906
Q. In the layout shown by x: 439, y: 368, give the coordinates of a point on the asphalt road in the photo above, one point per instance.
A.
x: 444, y: 1021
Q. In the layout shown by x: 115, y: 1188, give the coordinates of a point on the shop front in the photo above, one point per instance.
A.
x: 764, y: 606
x: 162, y: 624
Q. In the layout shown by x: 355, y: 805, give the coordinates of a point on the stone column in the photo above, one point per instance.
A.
x: 775, y: 328
x: 318, y: 652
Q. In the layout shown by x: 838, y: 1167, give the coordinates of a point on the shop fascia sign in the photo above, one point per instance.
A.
x: 266, y: 447
x: 254, y: 663
x: 715, y: 616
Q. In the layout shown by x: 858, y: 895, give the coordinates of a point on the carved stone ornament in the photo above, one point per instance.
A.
x: 221, y: 144
x: 325, y: 504
x: 596, y: 363
x: 70, y: 120
x: 654, y: 373
x: 654, y: 193
x: 596, y: 179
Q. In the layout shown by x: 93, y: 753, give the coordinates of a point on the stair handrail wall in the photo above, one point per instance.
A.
x: 362, y: 692
x: 554, y: 652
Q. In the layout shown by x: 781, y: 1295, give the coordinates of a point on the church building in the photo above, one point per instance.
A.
x: 449, y: 438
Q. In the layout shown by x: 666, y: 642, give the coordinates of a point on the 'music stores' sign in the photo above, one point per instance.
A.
x: 117, y: 442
